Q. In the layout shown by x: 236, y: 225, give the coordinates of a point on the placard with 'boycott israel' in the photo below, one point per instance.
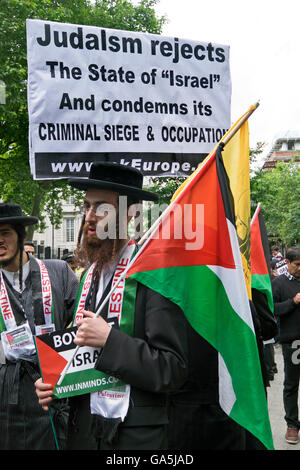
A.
x: 159, y: 104
x: 54, y: 351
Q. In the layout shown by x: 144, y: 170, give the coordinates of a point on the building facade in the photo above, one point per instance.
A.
x: 53, y: 243
x: 283, y: 149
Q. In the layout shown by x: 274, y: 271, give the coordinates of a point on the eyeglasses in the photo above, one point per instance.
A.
x: 86, y: 207
x: 97, y: 208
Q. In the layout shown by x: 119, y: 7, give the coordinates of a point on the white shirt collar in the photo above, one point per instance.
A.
x: 13, y: 277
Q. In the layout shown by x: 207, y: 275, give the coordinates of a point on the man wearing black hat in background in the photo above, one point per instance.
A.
x: 35, y: 295
x: 147, y: 351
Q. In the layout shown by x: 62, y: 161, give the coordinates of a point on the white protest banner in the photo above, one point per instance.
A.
x: 159, y: 104
x: 55, y: 349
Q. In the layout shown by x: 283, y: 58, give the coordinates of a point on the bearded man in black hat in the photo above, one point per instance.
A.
x: 35, y: 296
x: 145, y: 347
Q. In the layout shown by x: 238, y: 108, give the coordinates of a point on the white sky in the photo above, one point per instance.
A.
x: 264, y: 40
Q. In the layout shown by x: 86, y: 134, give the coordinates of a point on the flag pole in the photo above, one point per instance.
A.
x: 146, y: 237
x: 227, y: 137
x: 254, y: 215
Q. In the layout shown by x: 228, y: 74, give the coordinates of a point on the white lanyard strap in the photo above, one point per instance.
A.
x: 5, y: 307
x: 116, y: 299
x: 115, y: 403
x: 46, y: 293
x: 85, y: 289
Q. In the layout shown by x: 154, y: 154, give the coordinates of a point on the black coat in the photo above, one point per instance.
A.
x: 197, y: 421
x: 284, y: 290
x: 153, y: 362
x: 24, y: 425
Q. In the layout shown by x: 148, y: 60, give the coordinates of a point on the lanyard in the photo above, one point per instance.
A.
x: 7, y: 318
x: 82, y: 294
x: 111, y: 403
x: 115, y: 309
x: 116, y: 299
x: 17, y: 341
x: 46, y: 293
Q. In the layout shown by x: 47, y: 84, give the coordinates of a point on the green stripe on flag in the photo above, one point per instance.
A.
x: 203, y: 299
x: 127, y: 317
x: 262, y: 282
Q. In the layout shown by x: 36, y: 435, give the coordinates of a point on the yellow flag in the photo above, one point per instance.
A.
x: 236, y: 161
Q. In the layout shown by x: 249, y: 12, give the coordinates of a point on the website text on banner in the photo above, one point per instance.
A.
x: 157, y: 103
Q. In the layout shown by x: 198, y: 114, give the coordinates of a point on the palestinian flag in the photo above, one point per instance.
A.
x: 193, y: 258
x: 260, y: 258
x: 236, y: 162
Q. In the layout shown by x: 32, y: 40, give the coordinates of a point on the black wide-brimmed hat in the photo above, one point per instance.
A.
x: 11, y: 213
x: 122, y: 179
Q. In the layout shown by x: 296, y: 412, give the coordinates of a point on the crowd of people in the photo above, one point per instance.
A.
x: 171, y: 397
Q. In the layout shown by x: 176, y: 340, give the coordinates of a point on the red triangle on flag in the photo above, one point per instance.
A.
x: 51, y: 362
x: 170, y: 251
x: 258, y: 260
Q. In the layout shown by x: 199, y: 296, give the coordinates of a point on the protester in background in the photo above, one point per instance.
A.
x: 274, y: 273
x: 269, y: 334
x: 268, y: 330
x: 29, y: 247
x: 269, y: 355
x: 24, y: 311
x: 286, y: 294
x: 70, y: 259
x: 276, y: 253
x: 281, y: 266
x: 151, y: 359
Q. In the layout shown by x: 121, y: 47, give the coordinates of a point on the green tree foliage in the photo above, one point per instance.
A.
x: 16, y: 183
x: 278, y: 190
x: 254, y: 157
x: 165, y: 187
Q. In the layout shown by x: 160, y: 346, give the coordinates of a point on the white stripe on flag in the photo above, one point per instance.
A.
x: 234, y: 282
x: 227, y: 396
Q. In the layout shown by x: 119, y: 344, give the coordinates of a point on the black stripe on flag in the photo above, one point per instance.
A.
x: 227, y: 197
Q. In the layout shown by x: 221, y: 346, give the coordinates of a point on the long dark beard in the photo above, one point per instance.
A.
x: 90, y: 249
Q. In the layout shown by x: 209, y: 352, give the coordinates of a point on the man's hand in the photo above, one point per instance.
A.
x: 92, y: 331
x: 44, y: 393
x: 297, y: 298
